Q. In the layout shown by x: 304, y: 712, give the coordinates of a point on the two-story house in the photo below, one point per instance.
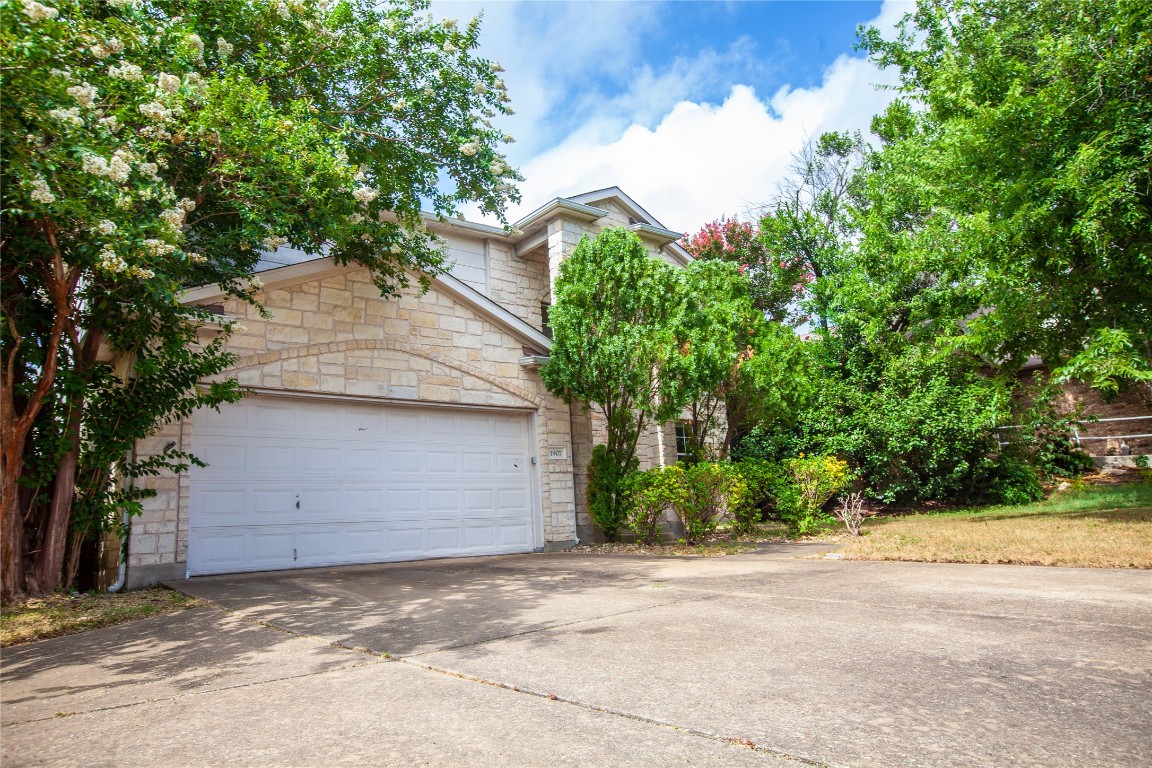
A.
x: 392, y: 429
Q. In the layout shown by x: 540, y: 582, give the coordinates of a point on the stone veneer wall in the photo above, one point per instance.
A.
x: 336, y: 335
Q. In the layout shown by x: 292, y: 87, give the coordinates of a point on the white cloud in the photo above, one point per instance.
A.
x: 698, y: 160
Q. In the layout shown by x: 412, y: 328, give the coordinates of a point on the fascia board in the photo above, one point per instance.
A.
x: 316, y: 269
x: 561, y: 205
x: 630, y: 205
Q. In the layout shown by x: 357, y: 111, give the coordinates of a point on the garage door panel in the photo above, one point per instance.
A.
x: 441, y: 425
x: 270, y: 548
x: 374, y: 483
x: 512, y: 500
x: 445, y: 539
x: 442, y: 500
x: 397, y: 462
x: 514, y: 535
x: 480, y: 536
x: 273, y: 417
x: 406, y: 542
x: 479, y: 500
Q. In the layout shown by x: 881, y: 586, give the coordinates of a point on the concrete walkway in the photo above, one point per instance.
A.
x: 544, y: 660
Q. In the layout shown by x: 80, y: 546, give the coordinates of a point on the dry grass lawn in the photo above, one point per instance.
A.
x: 1097, y: 527
x: 66, y: 614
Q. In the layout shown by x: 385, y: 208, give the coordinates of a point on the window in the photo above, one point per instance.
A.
x: 544, y: 326
x: 683, y: 439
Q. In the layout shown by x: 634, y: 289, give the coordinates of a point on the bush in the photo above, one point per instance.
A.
x: 1015, y: 480
x: 708, y: 491
x: 649, y: 495
x: 762, y: 481
x: 812, y: 482
x: 607, y: 503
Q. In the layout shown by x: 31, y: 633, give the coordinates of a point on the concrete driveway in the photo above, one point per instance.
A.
x: 764, y: 659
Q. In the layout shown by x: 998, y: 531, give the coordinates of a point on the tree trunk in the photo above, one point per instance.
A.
x: 74, y: 552
x: 60, y: 282
x: 49, y: 564
x: 48, y: 567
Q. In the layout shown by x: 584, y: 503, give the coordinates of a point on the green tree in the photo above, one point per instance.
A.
x: 717, y: 325
x: 808, y: 225
x: 150, y: 146
x: 614, y: 347
x: 1013, y: 184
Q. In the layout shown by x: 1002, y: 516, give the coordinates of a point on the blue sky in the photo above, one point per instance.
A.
x: 693, y: 108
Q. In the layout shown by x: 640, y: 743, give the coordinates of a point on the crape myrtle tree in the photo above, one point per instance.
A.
x: 764, y: 373
x: 152, y: 145
x: 1015, y: 179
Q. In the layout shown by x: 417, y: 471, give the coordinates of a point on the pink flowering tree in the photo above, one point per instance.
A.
x: 153, y: 145
x: 777, y: 279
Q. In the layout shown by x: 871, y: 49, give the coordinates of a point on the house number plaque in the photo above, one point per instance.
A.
x: 557, y: 453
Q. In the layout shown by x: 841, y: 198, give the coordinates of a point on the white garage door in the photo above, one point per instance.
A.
x: 296, y: 483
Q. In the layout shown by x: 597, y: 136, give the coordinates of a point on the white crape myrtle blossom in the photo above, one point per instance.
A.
x: 84, y: 94
x: 449, y: 48
x: 38, y: 12
x: 111, y: 122
x: 158, y: 248
x: 110, y: 262
x: 197, y: 44
x: 495, y: 67
x: 106, y: 227
x: 154, y: 110
x: 470, y: 148
x: 95, y: 165
x: 149, y: 171
x: 224, y: 48
x: 126, y: 71
x: 174, y: 217
x: 197, y: 258
x: 365, y: 195
x: 399, y: 105
x: 106, y: 49
x: 168, y: 83
x: 119, y: 167
x: 255, y: 283
x: 69, y: 116
x: 273, y: 242
x: 41, y: 192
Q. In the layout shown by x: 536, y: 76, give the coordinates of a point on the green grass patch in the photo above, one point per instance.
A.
x: 41, y: 618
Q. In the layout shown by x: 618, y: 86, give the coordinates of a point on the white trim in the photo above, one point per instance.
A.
x: 315, y: 269
x: 537, y: 483
x: 630, y: 205
x: 531, y: 243
x: 383, y: 400
x: 562, y: 205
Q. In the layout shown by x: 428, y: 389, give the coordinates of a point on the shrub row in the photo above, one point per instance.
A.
x: 743, y: 493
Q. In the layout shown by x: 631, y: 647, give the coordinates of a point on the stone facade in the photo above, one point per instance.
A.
x: 330, y: 333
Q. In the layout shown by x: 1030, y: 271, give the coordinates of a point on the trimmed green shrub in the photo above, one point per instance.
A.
x: 709, y: 490
x: 650, y: 494
x: 762, y: 480
x: 607, y: 502
x: 812, y: 482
